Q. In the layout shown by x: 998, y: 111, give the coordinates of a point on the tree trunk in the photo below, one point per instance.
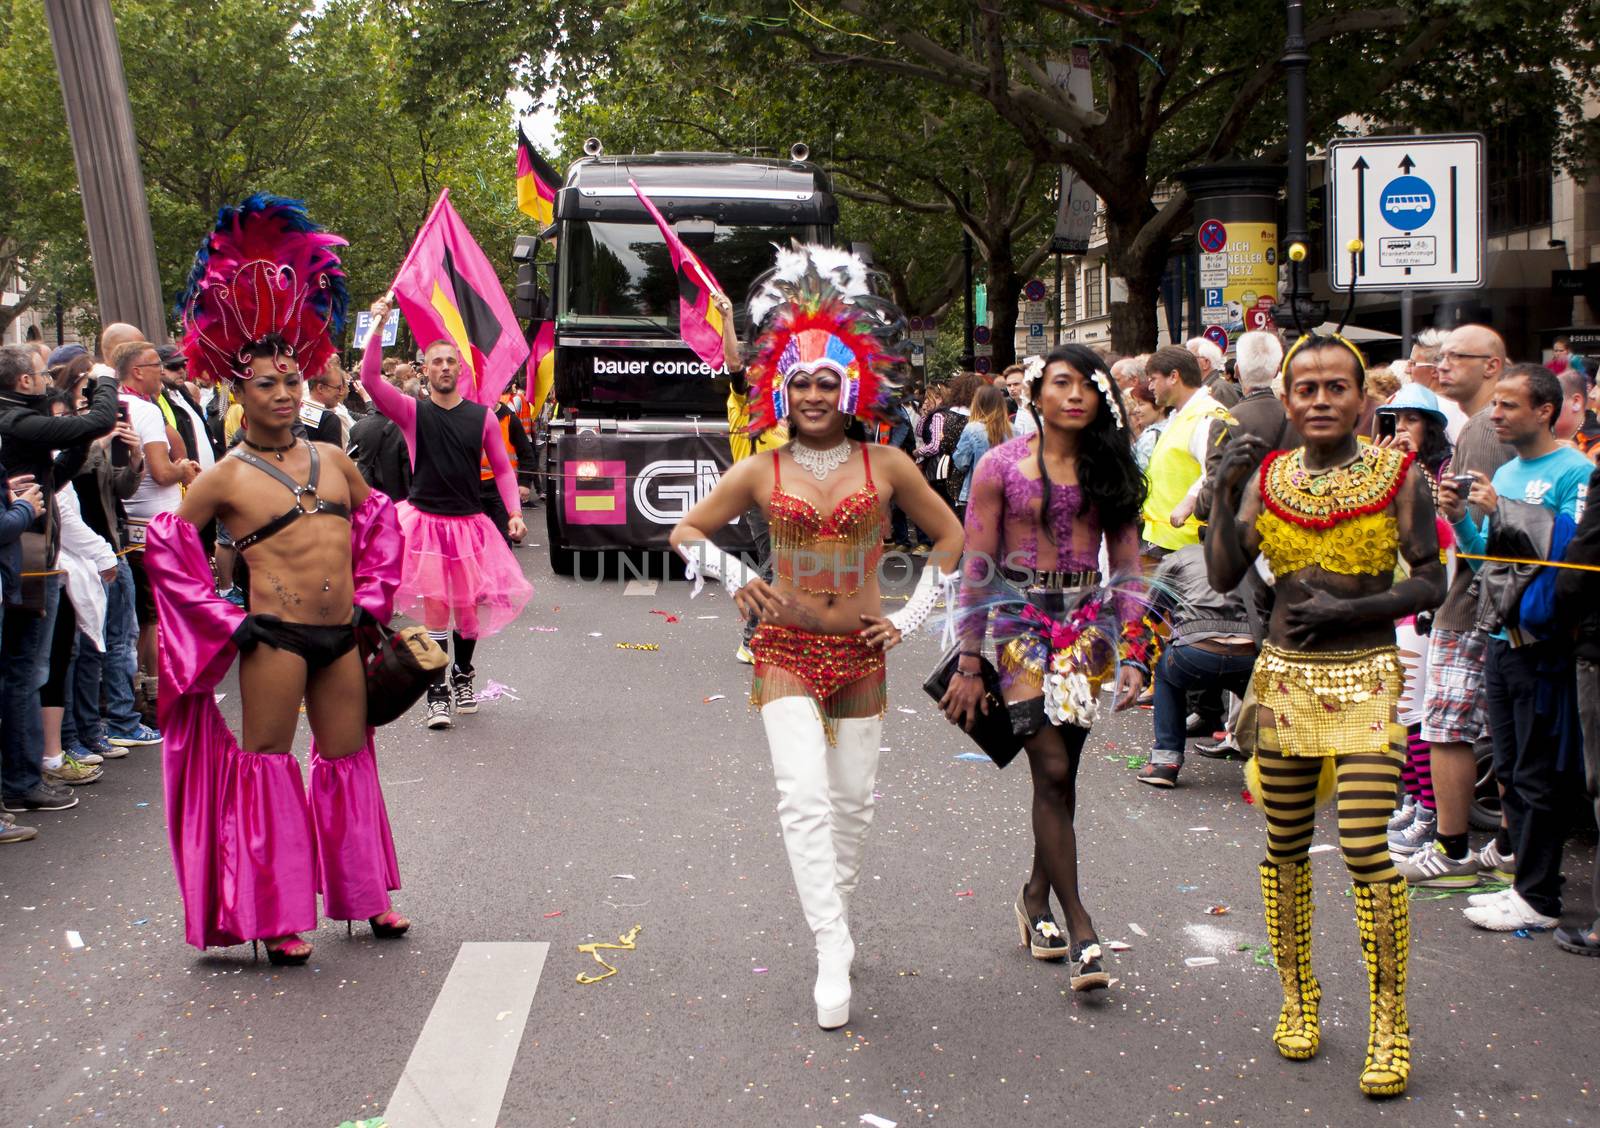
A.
x: 25, y: 303
x: 1005, y: 290
x: 1133, y: 320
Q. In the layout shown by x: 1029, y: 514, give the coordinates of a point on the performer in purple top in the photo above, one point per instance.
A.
x: 1039, y: 510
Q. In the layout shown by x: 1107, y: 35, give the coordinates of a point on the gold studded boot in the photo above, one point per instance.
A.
x: 1286, y: 894
x: 1383, y: 915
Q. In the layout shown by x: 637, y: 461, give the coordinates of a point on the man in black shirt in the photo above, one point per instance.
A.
x: 457, y: 569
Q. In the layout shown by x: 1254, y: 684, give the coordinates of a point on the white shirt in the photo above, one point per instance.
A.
x: 150, y: 499
x: 203, y: 454
x: 84, y: 555
x: 1454, y: 418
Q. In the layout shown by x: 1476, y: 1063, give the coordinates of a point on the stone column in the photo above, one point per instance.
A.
x: 83, y: 34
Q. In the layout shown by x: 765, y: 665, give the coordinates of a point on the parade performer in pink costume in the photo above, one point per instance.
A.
x: 322, y: 550
x: 458, y: 569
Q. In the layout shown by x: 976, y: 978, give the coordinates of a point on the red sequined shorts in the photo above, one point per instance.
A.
x: 843, y: 674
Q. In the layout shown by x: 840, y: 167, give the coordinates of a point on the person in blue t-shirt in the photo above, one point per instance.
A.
x: 1528, y: 684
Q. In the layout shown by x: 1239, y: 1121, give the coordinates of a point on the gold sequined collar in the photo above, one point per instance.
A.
x: 1322, y: 499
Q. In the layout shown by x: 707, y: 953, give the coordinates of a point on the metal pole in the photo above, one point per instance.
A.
x: 122, y: 248
x: 1059, y: 298
x: 1407, y: 322
x: 1295, y: 61
x: 61, y: 317
x: 968, y: 351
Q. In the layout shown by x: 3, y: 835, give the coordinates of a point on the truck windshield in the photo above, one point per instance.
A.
x: 620, y: 274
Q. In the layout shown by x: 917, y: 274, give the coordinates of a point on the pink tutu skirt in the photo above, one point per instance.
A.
x: 458, y: 567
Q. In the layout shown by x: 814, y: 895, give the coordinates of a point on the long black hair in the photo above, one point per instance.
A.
x: 1111, y: 481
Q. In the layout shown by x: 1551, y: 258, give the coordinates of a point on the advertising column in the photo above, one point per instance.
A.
x: 1236, y: 246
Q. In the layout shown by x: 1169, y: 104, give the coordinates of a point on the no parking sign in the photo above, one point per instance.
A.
x: 1218, y: 336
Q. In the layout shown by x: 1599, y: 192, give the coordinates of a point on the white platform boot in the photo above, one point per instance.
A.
x: 852, y: 777
x: 800, y: 766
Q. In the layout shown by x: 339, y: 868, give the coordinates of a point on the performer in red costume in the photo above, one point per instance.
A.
x: 458, y: 569
x: 828, y: 358
x: 265, y: 294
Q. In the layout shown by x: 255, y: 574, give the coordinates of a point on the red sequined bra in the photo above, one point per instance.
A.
x: 831, y: 556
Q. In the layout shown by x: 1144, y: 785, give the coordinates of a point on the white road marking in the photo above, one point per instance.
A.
x: 459, y: 1068
x: 639, y: 587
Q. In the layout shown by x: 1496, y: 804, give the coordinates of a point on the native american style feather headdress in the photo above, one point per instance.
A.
x: 815, y: 312
x: 265, y: 270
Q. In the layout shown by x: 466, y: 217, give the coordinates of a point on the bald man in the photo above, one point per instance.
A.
x: 1471, y: 360
x: 1574, y: 405
x: 115, y: 334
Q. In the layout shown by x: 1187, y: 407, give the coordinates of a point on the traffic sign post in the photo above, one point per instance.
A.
x: 1417, y: 205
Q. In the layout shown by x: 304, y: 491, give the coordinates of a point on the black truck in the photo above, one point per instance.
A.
x: 639, y: 429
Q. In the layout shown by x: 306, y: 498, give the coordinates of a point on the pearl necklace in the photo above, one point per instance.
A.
x: 821, y: 463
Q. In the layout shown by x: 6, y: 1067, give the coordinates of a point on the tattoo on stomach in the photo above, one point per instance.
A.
x: 285, y: 596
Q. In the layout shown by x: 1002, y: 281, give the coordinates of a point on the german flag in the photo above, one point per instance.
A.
x: 448, y: 290
x: 542, y: 366
x: 536, y: 182
x: 699, y: 322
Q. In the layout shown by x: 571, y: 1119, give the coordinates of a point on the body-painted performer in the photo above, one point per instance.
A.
x: 264, y: 297
x: 1331, y: 519
x: 826, y: 356
x: 459, y: 571
x: 1040, y: 508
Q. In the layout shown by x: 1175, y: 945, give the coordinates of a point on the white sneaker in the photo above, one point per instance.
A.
x: 1432, y: 868
x: 1403, y: 843
x: 1404, y: 814
x: 1478, y: 899
x: 1501, y: 867
x: 1510, y: 915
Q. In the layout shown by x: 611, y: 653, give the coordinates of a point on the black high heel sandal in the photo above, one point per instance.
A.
x: 383, y: 930
x: 277, y: 957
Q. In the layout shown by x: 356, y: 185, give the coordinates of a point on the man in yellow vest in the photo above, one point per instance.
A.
x: 1177, y: 466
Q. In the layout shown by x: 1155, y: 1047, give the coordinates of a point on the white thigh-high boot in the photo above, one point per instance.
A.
x: 800, y: 766
x: 852, y: 775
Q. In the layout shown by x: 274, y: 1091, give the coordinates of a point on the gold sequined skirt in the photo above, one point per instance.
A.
x: 1332, y: 703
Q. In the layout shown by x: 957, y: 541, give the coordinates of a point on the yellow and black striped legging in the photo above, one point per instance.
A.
x: 1365, y: 798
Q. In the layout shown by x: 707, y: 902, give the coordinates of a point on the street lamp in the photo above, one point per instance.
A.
x: 1295, y: 61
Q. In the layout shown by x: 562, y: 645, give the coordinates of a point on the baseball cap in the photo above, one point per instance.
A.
x: 65, y: 354
x: 170, y: 355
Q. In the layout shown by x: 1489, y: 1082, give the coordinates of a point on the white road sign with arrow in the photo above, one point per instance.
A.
x: 1417, y: 205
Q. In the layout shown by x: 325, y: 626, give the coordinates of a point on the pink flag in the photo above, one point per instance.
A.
x: 699, y: 322
x: 448, y: 292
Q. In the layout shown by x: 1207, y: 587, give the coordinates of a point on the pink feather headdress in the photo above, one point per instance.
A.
x: 265, y: 270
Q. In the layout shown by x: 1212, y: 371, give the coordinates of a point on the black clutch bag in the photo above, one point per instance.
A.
x: 399, y: 666
x: 992, y: 730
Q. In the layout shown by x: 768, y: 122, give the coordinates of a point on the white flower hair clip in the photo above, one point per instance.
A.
x: 1032, y: 368
x: 1108, y: 393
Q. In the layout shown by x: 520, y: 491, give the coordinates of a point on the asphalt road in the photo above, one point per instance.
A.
x: 615, y: 787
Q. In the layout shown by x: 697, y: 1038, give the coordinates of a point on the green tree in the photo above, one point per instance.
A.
x: 1177, y: 84
x: 237, y: 96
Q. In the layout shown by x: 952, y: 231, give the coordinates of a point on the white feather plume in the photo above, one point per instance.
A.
x: 842, y: 270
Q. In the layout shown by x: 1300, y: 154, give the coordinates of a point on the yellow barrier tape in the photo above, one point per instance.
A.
x: 625, y: 943
x: 1517, y: 560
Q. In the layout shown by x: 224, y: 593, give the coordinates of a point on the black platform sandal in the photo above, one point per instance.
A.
x: 1087, y: 972
x: 392, y: 928
x: 1041, y: 935
x: 277, y: 957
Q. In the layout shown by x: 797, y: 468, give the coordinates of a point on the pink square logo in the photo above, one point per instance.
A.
x: 596, y: 491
